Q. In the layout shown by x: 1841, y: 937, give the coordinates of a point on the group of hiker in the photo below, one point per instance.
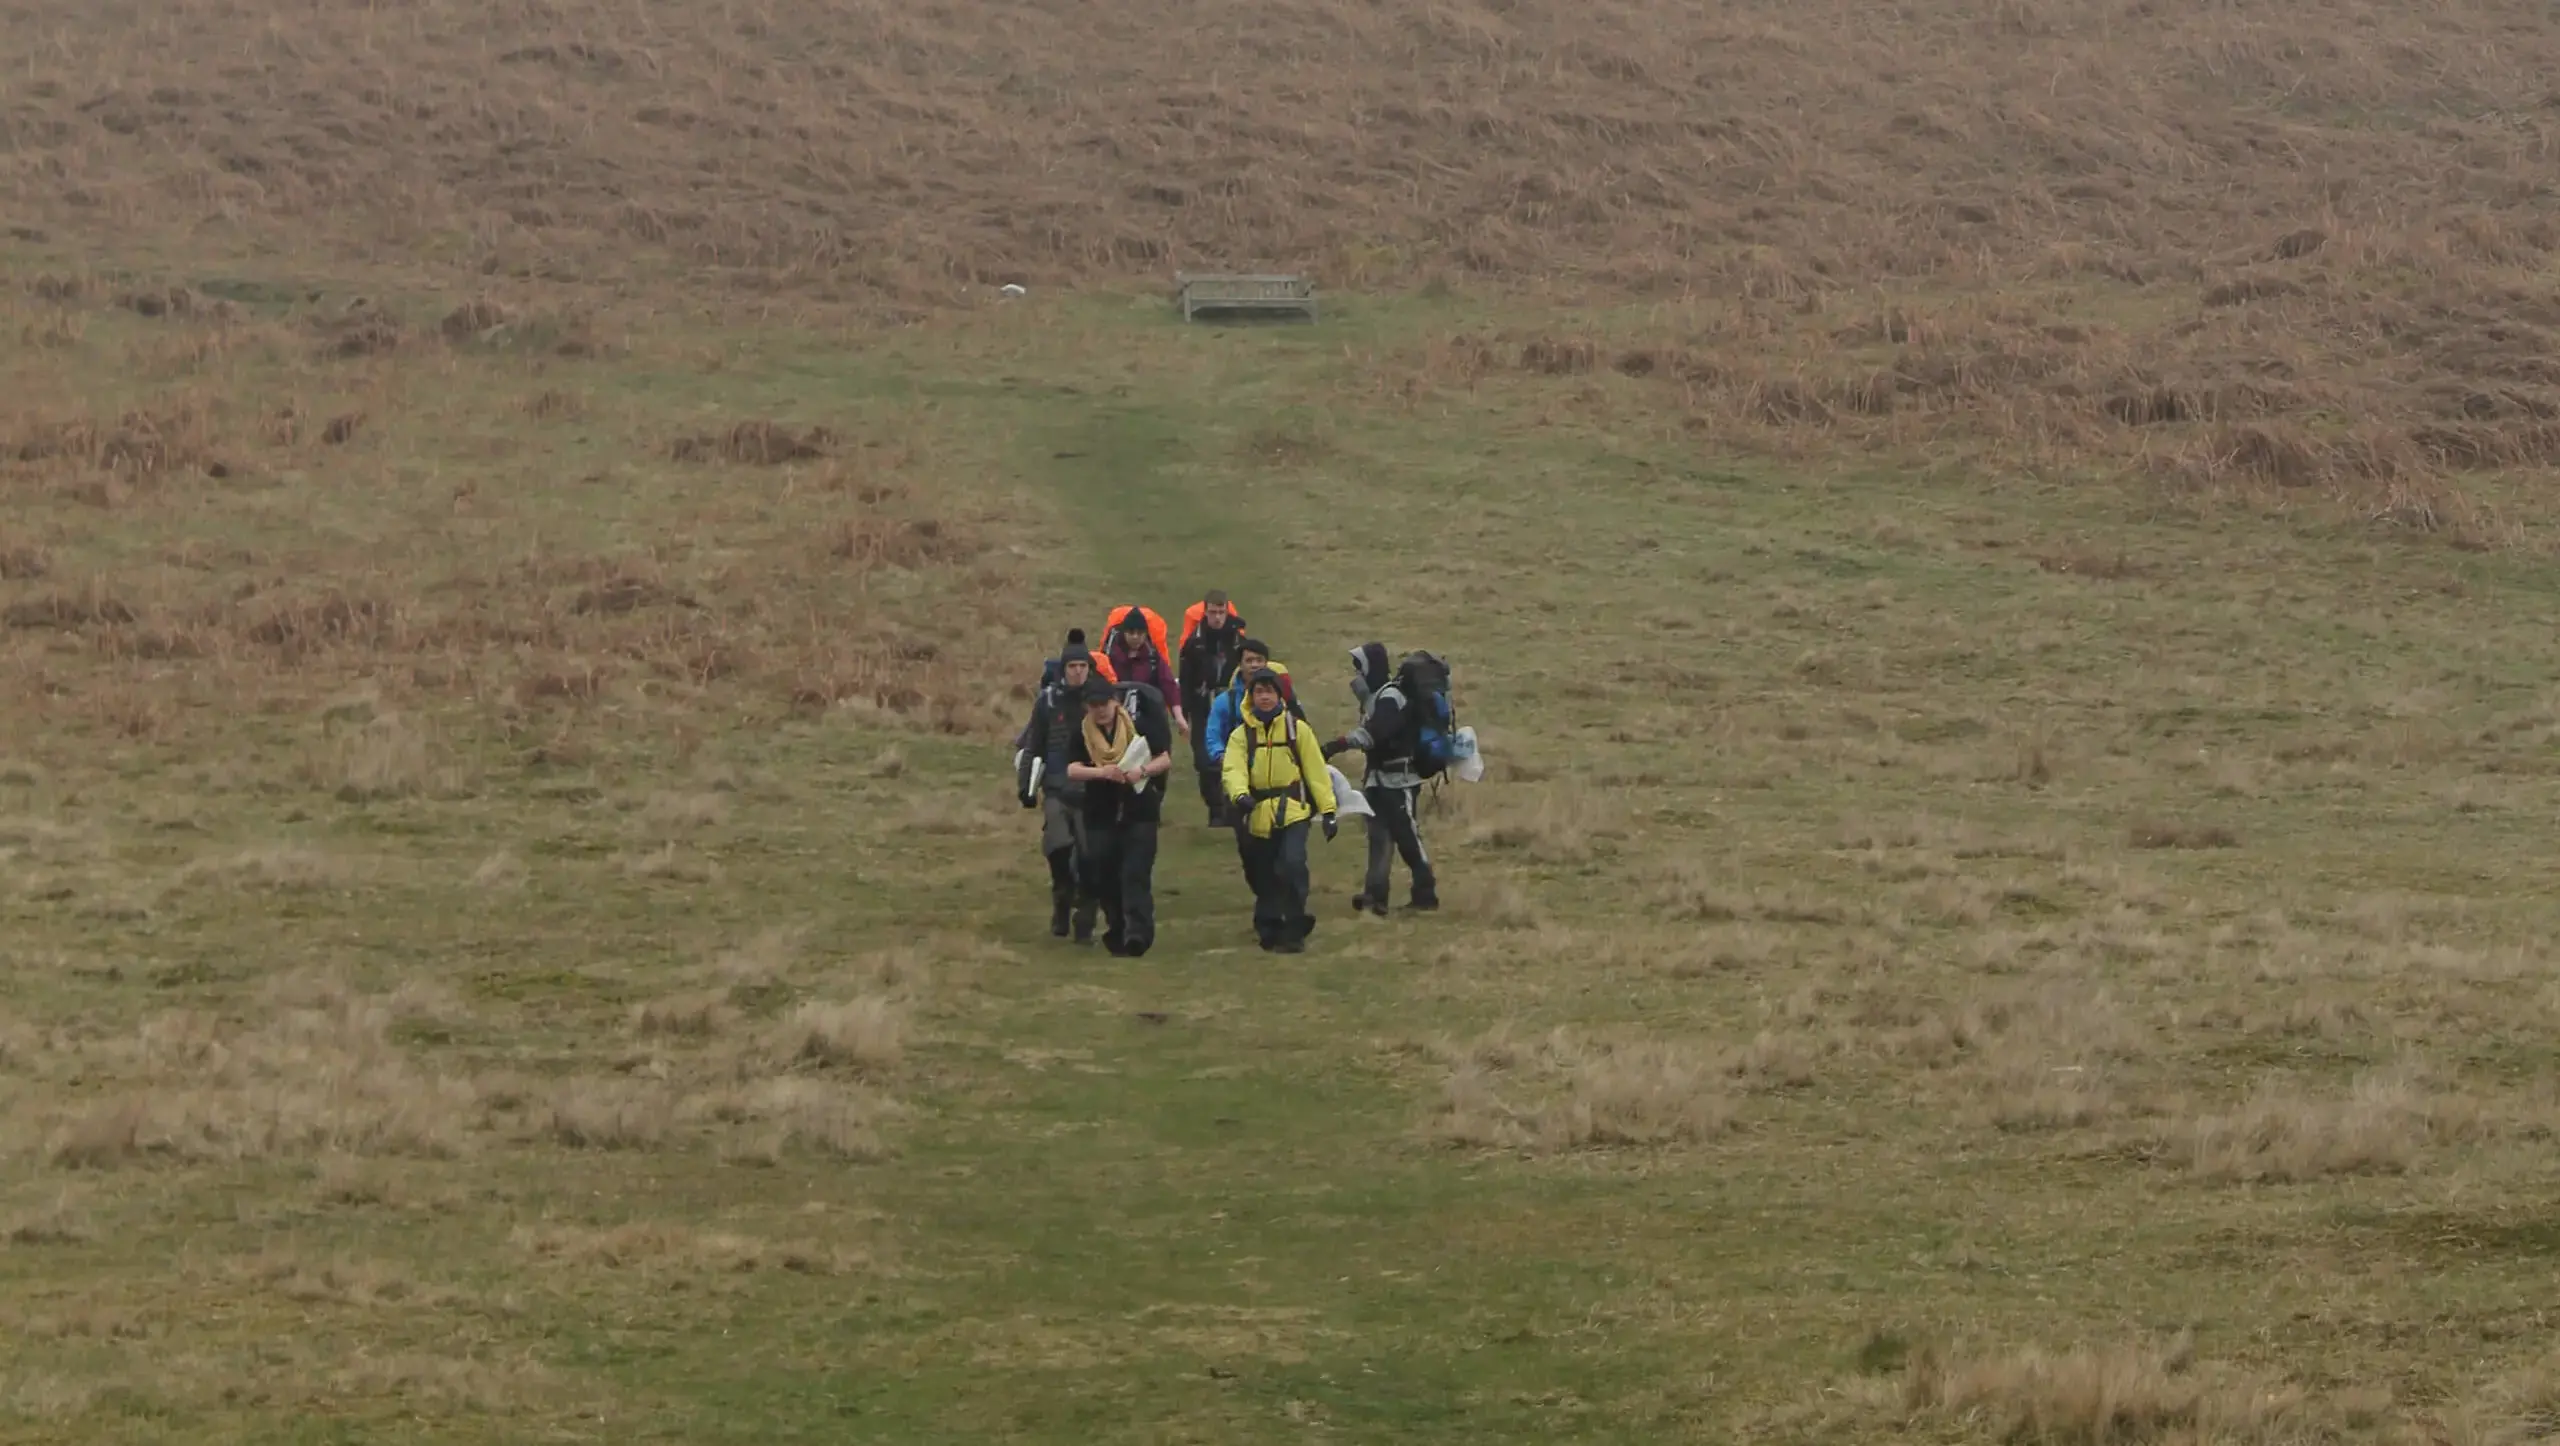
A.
x: 1097, y: 753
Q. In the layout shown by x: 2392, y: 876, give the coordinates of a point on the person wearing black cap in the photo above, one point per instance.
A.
x: 1212, y: 647
x: 1277, y: 782
x: 1115, y: 868
x: 1055, y: 710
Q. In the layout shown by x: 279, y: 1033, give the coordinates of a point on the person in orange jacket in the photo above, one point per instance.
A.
x: 1134, y: 651
x: 1211, y: 651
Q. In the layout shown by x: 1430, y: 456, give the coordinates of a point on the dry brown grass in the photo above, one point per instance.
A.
x: 684, y: 1016
x: 2213, y: 234
x: 610, y: 1114
x: 2384, y: 1125
x: 796, y: 1114
x: 866, y: 1035
x: 673, y: 1246
x: 1586, y: 1095
x: 2093, y: 1396
x: 316, y: 1077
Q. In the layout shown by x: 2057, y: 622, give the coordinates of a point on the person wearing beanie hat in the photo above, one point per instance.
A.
x: 1134, y: 650
x: 1211, y: 648
x: 1054, y: 709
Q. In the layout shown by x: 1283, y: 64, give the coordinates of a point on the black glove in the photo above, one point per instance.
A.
x: 1331, y: 827
x: 1333, y: 746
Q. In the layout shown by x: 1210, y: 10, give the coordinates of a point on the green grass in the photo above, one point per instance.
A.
x: 1821, y: 764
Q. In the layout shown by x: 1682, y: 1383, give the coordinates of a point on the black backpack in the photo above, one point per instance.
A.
x: 1431, y: 720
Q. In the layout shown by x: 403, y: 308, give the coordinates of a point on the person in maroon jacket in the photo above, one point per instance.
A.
x: 1135, y: 658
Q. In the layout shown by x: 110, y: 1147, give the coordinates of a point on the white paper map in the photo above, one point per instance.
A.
x: 1136, y: 758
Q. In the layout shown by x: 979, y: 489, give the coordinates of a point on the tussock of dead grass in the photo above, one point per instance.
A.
x: 799, y: 1114
x: 685, y: 810
x: 434, y: 1383
x: 284, y: 868
x: 2096, y: 1396
x: 761, y: 960
x: 2385, y: 1124
x: 609, y: 1114
x: 387, y: 756
x: 672, y: 863
x: 1494, y: 899
x: 684, y: 1016
x: 1689, y: 888
x: 2171, y: 834
x: 309, y: 1078
x: 340, y: 1280
x: 1558, y: 823
x: 501, y: 870
x: 665, y: 1245
x: 1724, y: 949
x: 866, y: 1035
x: 1636, y: 1092
x: 356, y: 1183
x: 2519, y: 1408
x: 61, y: 1222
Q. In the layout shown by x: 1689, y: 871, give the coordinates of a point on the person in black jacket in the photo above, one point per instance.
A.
x: 1115, y: 868
x: 1055, y: 710
x: 1387, y: 735
x: 1210, y: 655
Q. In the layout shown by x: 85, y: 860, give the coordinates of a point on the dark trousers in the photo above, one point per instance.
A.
x: 1061, y: 830
x: 1394, y: 830
x: 1213, y: 783
x: 1277, y: 868
x: 1117, y: 872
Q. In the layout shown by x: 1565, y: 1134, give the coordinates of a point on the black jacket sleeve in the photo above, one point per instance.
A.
x: 1155, y: 722
x: 1382, y: 728
x: 1034, y: 737
x: 1197, y: 676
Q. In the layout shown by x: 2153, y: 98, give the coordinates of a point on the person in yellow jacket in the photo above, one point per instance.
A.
x: 1276, y: 781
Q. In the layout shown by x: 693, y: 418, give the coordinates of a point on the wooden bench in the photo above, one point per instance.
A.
x: 1242, y: 296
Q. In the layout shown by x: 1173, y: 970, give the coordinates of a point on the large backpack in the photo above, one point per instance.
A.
x: 1155, y: 632
x: 1431, y: 719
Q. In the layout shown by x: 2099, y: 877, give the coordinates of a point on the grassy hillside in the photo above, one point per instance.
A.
x: 2224, y: 245
x: 2008, y: 904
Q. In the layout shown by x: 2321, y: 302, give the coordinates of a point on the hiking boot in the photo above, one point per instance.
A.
x: 1360, y: 904
x: 1419, y: 906
x: 1084, y: 928
x: 1288, y: 946
x: 1112, y: 946
x: 1058, y: 921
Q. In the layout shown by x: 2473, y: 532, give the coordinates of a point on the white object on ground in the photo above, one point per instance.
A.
x: 1012, y: 289
x: 1470, y: 761
x: 1348, y: 801
x: 1136, y: 758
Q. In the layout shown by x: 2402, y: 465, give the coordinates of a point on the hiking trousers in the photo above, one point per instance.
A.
x: 1117, y: 872
x: 1213, y: 786
x: 1394, y: 830
x: 1278, y: 867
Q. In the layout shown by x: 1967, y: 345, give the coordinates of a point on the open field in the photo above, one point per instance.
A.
x: 1999, y: 913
